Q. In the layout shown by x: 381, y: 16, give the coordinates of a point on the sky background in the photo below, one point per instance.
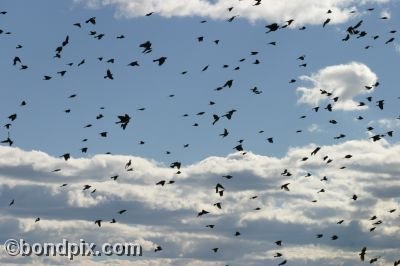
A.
x: 166, y: 216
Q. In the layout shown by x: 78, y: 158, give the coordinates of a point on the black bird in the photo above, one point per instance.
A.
x: 66, y: 41
x: 326, y: 22
x: 218, y: 188
x: 232, y: 18
x: 373, y: 260
x: 12, y: 117
x: 205, y: 68
x: 285, y: 186
x: 314, y: 152
x: 272, y: 27
x: 282, y: 263
x: 225, y: 133
x: 376, y: 138
x: 162, y: 183
x: 86, y: 187
x: 238, y: 147
x: 218, y: 205
x: 160, y: 60
x: 175, y: 164
x: 128, y: 164
x: 228, y: 83
x: 62, y: 73
x: 98, y: 222
x: 390, y: 40
x: 216, y: 118
x: 91, y: 20
x: 8, y: 140
x: 16, y: 60
x: 121, y: 211
x: 109, y: 75
x: 66, y: 156
x: 380, y: 104
x: 123, y: 120
x: 229, y: 114
x: 37, y: 220
x: 11, y: 203
x: 146, y: 47
x: 203, y: 212
x: 134, y: 63
x: 346, y: 38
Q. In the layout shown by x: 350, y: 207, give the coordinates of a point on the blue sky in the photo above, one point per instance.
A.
x: 343, y: 68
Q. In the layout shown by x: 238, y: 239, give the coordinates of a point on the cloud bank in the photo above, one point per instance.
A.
x: 167, y: 215
x: 346, y: 81
x: 303, y: 12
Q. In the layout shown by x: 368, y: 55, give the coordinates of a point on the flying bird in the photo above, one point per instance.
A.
x: 160, y: 60
x: 109, y: 75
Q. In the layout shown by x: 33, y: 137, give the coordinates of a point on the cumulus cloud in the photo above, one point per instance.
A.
x: 386, y: 13
x: 346, y: 81
x: 397, y: 47
x: 303, y: 12
x: 314, y: 128
x: 387, y: 123
x: 167, y: 216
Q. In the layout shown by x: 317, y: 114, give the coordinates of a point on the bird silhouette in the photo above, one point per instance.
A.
x: 109, y: 75
x: 146, y: 47
x: 225, y: 133
x: 272, y: 27
x: 123, y: 120
x: 326, y: 22
x: 285, y: 186
x: 160, y: 60
x: 203, y: 212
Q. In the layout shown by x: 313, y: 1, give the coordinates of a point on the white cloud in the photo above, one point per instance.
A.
x: 303, y: 12
x: 397, y: 47
x: 314, y: 128
x: 386, y: 13
x: 387, y: 123
x: 346, y: 81
x: 167, y: 216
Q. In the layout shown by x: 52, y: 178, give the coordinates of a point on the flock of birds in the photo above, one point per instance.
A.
x: 123, y: 120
